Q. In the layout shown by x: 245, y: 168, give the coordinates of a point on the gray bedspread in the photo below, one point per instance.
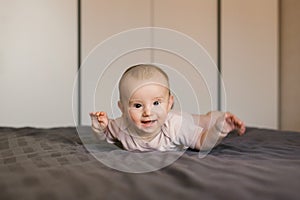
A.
x: 54, y: 164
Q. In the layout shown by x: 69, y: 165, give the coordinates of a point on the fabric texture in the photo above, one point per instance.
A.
x: 54, y: 164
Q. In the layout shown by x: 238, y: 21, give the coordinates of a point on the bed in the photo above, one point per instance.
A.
x: 54, y: 164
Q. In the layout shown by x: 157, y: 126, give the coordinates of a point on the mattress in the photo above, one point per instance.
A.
x: 59, y: 163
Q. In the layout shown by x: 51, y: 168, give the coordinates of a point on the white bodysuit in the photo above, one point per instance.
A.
x: 179, y: 132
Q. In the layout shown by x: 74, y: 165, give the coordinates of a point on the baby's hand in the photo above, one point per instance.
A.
x: 229, y: 123
x: 99, y: 120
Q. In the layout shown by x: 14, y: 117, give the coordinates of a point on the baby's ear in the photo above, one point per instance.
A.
x: 121, y: 107
x: 171, y: 102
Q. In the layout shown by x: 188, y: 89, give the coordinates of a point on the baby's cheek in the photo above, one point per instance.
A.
x: 161, y: 109
x: 134, y: 115
x: 160, y: 112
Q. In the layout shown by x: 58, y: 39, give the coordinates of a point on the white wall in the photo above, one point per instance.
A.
x: 104, y: 18
x: 37, y: 62
x: 250, y: 60
x: 290, y: 70
x: 38, y: 53
x: 196, y: 19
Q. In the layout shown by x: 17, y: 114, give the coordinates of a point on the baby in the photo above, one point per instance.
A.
x: 148, y: 122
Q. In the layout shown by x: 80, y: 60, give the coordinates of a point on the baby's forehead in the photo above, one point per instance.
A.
x: 145, y: 73
x: 135, y: 84
x: 131, y: 84
x: 139, y: 77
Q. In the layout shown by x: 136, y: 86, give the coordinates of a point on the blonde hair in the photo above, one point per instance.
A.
x: 142, y: 72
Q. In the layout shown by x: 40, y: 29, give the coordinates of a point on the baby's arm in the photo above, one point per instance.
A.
x: 99, y: 121
x: 216, y: 125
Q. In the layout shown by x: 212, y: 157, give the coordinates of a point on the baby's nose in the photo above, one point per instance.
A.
x: 147, y: 111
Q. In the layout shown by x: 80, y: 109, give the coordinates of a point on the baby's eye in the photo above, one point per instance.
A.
x: 156, y: 103
x: 137, y: 105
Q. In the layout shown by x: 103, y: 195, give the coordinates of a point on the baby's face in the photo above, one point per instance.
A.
x: 148, y: 107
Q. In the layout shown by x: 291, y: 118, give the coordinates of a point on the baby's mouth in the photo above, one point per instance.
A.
x: 148, y: 122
